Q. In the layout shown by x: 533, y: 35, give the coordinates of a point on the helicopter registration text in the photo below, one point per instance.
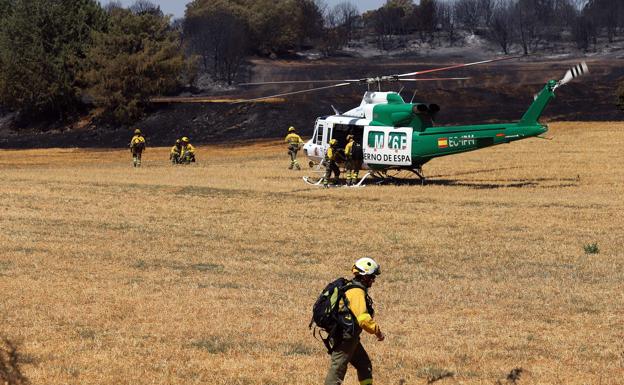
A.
x: 456, y: 141
x: 390, y: 146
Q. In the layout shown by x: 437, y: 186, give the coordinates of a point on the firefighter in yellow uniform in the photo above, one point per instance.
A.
x: 294, y: 144
x: 137, y: 146
x: 353, y: 162
x: 359, y: 306
x: 332, y: 157
x: 187, y: 151
x: 174, y: 155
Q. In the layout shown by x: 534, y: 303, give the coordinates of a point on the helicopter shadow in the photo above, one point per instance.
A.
x: 448, y: 180
x: 544, y: 183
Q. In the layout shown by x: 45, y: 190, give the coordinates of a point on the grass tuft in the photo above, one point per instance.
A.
x: 434, y: 374
x: 212, y: 344
x: 299, y: 349
x: 591, y: 248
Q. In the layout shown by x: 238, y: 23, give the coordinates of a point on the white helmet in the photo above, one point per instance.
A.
x: 366, y: 266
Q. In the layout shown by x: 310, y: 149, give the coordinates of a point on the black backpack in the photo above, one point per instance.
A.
x: 326, y: 313
x: 356, y: 152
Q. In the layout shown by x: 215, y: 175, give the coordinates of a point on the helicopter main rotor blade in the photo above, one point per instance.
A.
x: 294, y: 93
x: 430, y: 79
x: 207, y: 99
x: 456, y: 66
x: 301, y: 82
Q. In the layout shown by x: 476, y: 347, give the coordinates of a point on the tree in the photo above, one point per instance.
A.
x: 501, y: 25
x: 347, y: 17
x: 141, y: 7
x: 385, y: 22
x: 219, y: 35
x: 447, y: 20
x: 583, y: 32
x: 137, y: 58
x: 468, y: 14
x: 42, y: 48
x: 426, y: 19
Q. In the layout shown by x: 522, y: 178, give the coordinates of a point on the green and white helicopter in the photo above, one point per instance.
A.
x: 400, y: 136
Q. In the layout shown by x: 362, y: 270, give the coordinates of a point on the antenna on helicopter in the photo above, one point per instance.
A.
x: 574, y: 72
x: 335, y: 110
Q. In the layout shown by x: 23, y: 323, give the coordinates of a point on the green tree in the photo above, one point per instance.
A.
x: 42, y: 49
x: 138, y: 57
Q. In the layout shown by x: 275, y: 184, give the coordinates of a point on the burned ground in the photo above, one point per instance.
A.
x: 496, y: 92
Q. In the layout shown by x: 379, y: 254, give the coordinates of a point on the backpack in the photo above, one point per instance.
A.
x: 356, y: 152
x: 326, y: 313
x: 138, y: 143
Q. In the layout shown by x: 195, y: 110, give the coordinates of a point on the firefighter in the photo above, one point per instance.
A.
x: 174, y: 155
x: 294, y: 144
x: 332, y: 156
x: 358, y: 308
x: 187, y: 151
x: 137, y: 146
x: 353, y: 156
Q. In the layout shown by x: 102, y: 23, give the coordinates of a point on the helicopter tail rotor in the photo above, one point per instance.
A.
x: 574, y: 72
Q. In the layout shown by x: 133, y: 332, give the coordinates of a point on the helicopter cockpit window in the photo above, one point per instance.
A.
x: 319, y: 134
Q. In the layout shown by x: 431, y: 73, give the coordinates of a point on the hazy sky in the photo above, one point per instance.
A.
x: 177, y: 7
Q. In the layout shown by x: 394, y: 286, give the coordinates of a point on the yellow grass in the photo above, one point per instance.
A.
x: 206, y: 274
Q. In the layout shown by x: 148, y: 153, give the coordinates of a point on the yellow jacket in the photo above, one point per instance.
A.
x: 348, y: 149
x: 137, y: 140
x: 176, y: 149
x: 293, y: 139
x: 187, y: 148
x: 332, y: 154
x: 357, y: 304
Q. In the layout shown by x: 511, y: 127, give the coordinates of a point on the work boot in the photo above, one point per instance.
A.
x: 298, y: 167
x: 290, y: 167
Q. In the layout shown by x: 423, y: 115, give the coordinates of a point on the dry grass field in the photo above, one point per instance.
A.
x: 206, y: 274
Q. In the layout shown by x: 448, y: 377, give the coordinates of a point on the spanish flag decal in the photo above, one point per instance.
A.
x: 442, y: 142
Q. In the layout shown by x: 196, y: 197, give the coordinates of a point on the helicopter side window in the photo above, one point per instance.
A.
x: 376, y: 139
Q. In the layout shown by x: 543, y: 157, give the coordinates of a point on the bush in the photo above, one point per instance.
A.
x: 591, y: 248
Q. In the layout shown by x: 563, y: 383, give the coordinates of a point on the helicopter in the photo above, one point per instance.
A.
x: 399, y: 136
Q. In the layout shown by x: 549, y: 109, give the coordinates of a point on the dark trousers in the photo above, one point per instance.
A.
x: 332, y: 167
x: 349, y: 351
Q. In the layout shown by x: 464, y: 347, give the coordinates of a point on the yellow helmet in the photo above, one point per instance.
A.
x: 333, y: 142
x: 366, y: 266
x: 137, y: 132
x: 185, y: 139
x: 349, y: 137
x: 177, y: 141
x: 291, y: 129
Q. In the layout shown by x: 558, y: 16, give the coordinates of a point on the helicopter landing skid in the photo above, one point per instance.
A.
x: 310, y: 181
x: 319, y: 182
